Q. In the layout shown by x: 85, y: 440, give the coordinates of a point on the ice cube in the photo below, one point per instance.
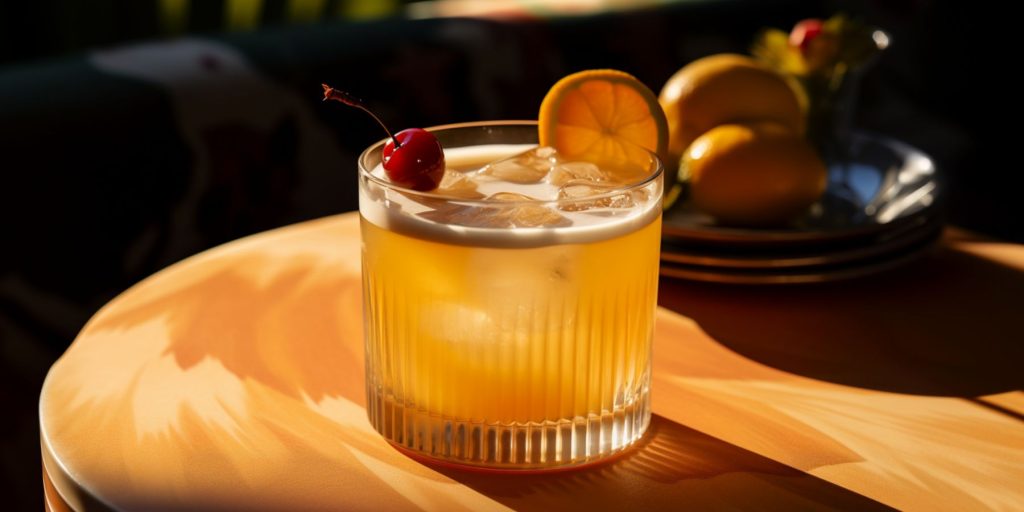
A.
x: 563, y: 173
x: 525, y: 213
x: 538, y: 157
x: 509, y: 197
x: 581, y: 195
x: 453, y: 322
x: 516, y: 285
x: 527, y: 167
x: 508, y: 210
x: 458, y: 184
x: 454, y: 184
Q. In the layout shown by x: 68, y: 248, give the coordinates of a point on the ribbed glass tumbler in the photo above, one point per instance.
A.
x: 508, y: 347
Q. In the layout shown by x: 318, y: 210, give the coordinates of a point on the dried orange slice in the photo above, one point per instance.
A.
x: 604, y: 116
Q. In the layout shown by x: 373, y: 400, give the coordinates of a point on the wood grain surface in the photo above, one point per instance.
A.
x: 234, y: 380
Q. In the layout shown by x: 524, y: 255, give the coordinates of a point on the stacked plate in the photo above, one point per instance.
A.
x: 880, y: 211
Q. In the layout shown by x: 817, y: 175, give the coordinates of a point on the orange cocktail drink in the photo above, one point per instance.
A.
x: 509, y: 313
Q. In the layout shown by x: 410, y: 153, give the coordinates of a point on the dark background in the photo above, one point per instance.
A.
x: 104, y: 180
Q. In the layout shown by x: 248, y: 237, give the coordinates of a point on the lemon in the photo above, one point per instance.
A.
x: 756, y: 174
x: 726, y: 88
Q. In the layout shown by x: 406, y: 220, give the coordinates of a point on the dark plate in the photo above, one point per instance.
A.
x: 790, y: 256
x: 804, y: 274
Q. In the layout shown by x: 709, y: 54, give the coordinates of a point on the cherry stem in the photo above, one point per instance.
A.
x: 330, y: 93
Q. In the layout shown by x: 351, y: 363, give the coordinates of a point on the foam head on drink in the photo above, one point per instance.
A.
x: 509, y: 313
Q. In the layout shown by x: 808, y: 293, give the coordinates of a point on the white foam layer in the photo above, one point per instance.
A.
x: 398, y: 212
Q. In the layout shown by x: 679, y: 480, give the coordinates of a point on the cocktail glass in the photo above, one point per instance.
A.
x: 503, y: 332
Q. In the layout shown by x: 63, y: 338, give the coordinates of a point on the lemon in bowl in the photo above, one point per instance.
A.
x: 752, y: 174
x: 727, y: 88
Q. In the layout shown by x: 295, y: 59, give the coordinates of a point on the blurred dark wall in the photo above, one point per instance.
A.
x: 35, y: 29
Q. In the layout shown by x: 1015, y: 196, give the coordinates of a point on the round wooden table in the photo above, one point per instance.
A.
x: 234, y: 380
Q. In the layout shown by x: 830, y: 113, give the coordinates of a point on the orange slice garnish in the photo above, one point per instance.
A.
x: 604, y: 116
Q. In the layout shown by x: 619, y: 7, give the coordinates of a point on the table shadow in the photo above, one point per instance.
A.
x: 949, y: 324
x: 673, y: 467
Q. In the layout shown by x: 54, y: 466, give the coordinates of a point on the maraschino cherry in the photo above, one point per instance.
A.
x: 412, y: 158
x: 804, y: 32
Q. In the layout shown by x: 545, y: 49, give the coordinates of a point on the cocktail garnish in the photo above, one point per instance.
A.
x: 411, y: 158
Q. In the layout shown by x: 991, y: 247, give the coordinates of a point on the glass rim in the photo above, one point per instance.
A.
x: 365, y: 173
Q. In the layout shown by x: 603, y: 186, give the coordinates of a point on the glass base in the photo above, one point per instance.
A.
x: 512, y: 446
